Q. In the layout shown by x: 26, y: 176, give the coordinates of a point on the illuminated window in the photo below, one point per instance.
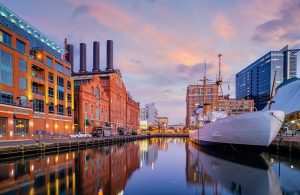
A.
x: 5, y: 38
x: 20, y: 126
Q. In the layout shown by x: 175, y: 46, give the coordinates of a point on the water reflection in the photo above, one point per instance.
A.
x: 154, y: 166
x: 222, y: 173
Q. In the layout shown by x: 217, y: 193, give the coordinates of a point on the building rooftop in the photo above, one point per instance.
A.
x: 12, y: 18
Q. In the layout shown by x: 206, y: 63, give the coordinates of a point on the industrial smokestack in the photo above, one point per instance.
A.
x: 96, y: 58
x: 70, y: 56
x: 82, y: 57
x: 109, y: 57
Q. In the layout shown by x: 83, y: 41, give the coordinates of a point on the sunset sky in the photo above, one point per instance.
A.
x: 160, y: 45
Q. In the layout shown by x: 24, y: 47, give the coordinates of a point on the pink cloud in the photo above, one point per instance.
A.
x: 223, y: 27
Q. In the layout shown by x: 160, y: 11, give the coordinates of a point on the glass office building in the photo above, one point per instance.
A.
x: 255, y: 81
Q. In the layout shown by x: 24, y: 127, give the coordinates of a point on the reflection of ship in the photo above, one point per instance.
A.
x: 216, y: 127
x: 234, y: 173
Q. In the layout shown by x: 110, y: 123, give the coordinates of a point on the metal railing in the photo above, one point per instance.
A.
x: 38, y: 92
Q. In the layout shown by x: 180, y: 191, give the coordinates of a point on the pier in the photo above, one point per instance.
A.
x: 286, y: 145
x: 21, y: 148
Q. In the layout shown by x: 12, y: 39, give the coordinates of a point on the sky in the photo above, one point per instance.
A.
x: 160, y: 46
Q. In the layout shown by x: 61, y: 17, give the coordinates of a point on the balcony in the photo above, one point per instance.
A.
x: 23, y: 103
x: 37, y: 92
x: 38, y: 76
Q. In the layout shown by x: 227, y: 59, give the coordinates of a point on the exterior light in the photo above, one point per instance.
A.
x: 47, y: 125
x: 56, y: 126
x: 48, y: 160
x: 31, y: 123
x: 292, y: 121
x: 32, y: 167
x: 12, y: 172
x: 67, y: 156
x: 39, y: 56
x: 292, y: 166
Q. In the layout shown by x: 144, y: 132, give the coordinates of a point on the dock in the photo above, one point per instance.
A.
x: 286, y: 145
x: 21, y: 148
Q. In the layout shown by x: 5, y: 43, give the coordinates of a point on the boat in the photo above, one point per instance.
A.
x: 252, y: 131
x: 230, y: 172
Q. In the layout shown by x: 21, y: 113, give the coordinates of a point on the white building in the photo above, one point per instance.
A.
x: 150, y: 114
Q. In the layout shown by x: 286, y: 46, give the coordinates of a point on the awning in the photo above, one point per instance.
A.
x: 21, y: 116
x: 87, y: 122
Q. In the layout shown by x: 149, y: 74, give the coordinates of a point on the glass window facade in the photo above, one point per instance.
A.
x: 69, y: 111
x: 50, y: 92
x: 21, y: 126
x: 60, y: 94
x: 51, y: 107
x: 50, y: 77
x: 23, y: 100
x: 60, y: 109
x: 6, y: 97
x: 22, y: 83
x: 38, y: 105
x: 49, y: 61
x: 68, y: 71
x: 22, y: 65
x: 6, y: 68
x: 69, y: 98
x: 69, y: 85
x: 5, y: 38
x: 59, y: 67
x: 255, y: 81
x: 20, y: 46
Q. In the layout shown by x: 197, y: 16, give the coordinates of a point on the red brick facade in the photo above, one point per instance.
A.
x: 116, y: 107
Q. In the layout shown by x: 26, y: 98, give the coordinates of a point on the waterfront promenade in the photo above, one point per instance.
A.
x: 20, y: 148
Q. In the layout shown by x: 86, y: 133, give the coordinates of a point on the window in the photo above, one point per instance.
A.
x: 6, y: 68
x: 20, y: 46
x: 50, y: 92
x: 49, y: 61
x: 69, y: 111
x: 69, y: 85
x: 68, y: 71
x: 23, y: 100
x: 50, y: 77
x: 60, y: 109
x: 59, y: 67
x: 69, y: 98
x: 51, y: 107
x: 97, y: 114
x: 97, y: 92
x: 22, y: 65
x: 92, y: 112
x: 60, y: 95
x: 3, y: 125
x: 22, y: 83
x: 38, y: 105
x: 60, y: 81
x: 5, y: 38
x: 21, y: 126
x: 6, y: 98
x: 92, y: 91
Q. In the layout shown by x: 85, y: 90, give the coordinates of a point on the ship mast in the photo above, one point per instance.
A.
x: 204, y: 84
x: 272, y: 91
x: 219, y: 83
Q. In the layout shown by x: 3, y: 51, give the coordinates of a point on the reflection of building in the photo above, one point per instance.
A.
x: 194, y: 99
x: 123, y: 110
x: 52, y: 175
x: 255, y: 81
x: 163, y: 122
x: 150, y: 114
x: 36, y: 93
x: 107, y: 169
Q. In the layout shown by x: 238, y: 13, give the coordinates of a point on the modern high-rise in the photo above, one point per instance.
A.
x: 255, y: 81
x: 36, y: 88
x: 150, y: 114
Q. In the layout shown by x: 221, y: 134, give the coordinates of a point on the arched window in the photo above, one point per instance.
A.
x: 97, y: 92
x: 92, y: 90
x: 92, y: 112
x: 97, y: 114
x: 85, y: 110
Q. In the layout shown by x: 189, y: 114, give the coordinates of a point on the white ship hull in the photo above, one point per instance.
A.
x: 249, y: 129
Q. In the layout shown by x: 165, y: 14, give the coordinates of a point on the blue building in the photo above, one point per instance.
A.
x: 255, y: 81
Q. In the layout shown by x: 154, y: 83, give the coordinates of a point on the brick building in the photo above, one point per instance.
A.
x: 120, y: 111
x: 194, y: 98
x: 36, y: 90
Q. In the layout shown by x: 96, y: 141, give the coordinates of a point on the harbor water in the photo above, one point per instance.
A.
x: 151, y: 166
